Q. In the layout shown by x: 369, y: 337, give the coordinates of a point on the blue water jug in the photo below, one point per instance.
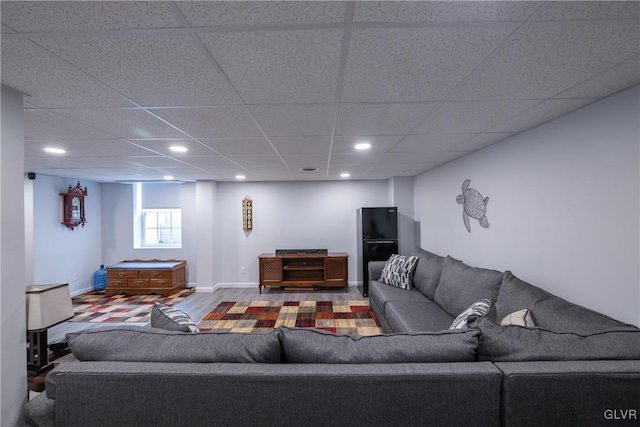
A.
x: 100, y: 279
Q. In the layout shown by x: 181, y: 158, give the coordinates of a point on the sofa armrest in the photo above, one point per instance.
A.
x: 375, y: 269
x: 570, y: 393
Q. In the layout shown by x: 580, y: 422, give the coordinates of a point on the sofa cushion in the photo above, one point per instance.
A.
x: 461, y: 285
x: 143, y: 344
x: 398, y: 271
x: 549, y: 311
x: 382, y: 294
x: 480, y: 308
x: 519, y: 318
x: 315, y: 346
x: 517, y: 343
x: 410, y: 316
x: 171, y: 319
x: 427, y: 274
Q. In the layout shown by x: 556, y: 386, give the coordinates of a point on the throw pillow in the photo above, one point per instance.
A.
x: 480, y: 308
x: 171, y: 319
x: 302, y: 345
x: 398, y: 271
x: 520, y: 318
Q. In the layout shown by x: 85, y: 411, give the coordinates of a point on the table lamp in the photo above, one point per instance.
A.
x: 47, y: 305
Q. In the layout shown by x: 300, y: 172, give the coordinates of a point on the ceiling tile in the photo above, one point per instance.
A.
x: 234, y: 146
x: 252, y: 13
x: 542, y: 113
x: 51, y: 82
x: 357, y: 159
x: 295, y: 120
x: 285, y: 66
x: 124, y: 123
x: 444, y: 11
x: 211, y: 122
x: 481, y: 141
x: 160, y: 70
x: 5, y: 29
x: 403, y: 158
x: 113, y: 147
x: 153, y: 161
x: 432, y: 142
x: 546, y: 59
x: 35, y: 148
x: 589, y: 10
x: 161, y: 146
x: 210, y: 161
x: 380, y: 119
x: 621, y: 76
x: 379, y: 144
x: 471, y: 116
x: 414, y: 64
x: 46, y: 125
x: 46, y: 16
x: 297, y: 161
x: 261, y: 161
x: 103, y: 162
x: 302, y: 144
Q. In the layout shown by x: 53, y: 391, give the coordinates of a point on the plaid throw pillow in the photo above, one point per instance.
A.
x: 398, y: 271
x: 480, y: 308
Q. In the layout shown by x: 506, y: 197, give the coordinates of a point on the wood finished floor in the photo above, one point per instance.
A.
x: 198, y: 304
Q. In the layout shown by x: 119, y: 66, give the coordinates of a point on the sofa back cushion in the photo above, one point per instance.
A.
x: 143, y: 344
x: 316, y: 346
x: 427, y: 274
x: 547, y: 310
x: 461, y: 285
x: 518, y: 343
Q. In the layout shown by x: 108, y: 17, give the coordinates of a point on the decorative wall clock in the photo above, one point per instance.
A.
x: 247, y: 214
x: 73, y: 206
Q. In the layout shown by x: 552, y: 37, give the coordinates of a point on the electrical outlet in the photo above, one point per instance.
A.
x: 74, y: 277
x: 243, y: 271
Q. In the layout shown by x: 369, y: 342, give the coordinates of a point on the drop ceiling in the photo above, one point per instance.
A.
x: 265, y: 89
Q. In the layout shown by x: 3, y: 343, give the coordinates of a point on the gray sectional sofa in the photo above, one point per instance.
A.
x: 573, y: 367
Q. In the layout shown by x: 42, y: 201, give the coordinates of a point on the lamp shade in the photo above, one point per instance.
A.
x: 48, y: 305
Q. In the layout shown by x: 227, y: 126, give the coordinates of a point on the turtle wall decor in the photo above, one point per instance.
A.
x: 473, y: 205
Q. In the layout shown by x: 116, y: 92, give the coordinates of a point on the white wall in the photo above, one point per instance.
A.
x: 13, y: 368
x: 62, y: 255
x: 564, y: 207
x: 290, y: 215
x: 117, y: 225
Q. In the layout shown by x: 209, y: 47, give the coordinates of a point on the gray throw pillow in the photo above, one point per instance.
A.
x: 143, y: 344
x: 398, y: 271
x: 315, y: 346
x: 171, y: 319
x: 427, y: 274
x: 518, y: 343
x: 461, y: 285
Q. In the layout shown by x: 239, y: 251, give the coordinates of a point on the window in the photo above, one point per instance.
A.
x: 162, y: 228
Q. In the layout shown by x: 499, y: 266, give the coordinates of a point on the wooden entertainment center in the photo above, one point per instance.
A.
x: 304, y: 270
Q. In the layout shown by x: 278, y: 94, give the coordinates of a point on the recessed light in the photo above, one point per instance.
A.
x: 168, y: 178
x: 362, y: 146
x: 345, y: 175
x: 178, y: 149
x: 308, y: 169
x: 54, y: 150
x: 240, y: 177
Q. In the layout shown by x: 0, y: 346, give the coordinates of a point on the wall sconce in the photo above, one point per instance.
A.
x: 47, y: 305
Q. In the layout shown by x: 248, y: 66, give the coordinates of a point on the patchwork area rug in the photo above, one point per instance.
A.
x: 343, y: 317
x: 95, y: 307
